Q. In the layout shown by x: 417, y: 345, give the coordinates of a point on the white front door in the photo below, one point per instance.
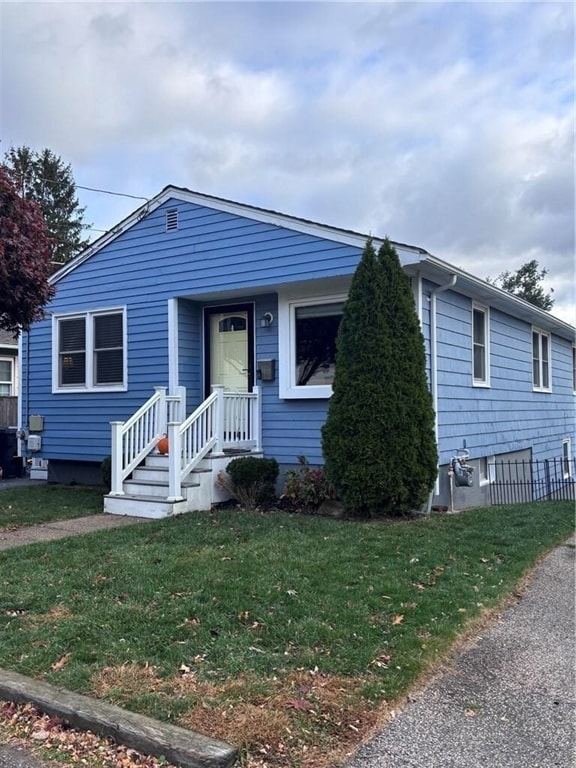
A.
x: 229, y: 342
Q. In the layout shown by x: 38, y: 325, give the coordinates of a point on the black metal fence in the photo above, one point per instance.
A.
x: 514, y: 482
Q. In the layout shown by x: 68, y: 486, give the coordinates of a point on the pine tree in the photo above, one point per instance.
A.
x: 45, y: 178
x: 378, y: 439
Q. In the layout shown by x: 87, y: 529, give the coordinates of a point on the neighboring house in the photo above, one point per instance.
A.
x: 193, y: 291
x: 8, y: 379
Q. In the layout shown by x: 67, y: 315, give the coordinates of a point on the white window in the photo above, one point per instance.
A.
x: 483, y: 469
x: 6, y: 376
x: 480, y: 346
x: 566, y: 458
x: 486, y: 470
x: 89, y: 351
x: 307, y: 333
x: 540, y: 360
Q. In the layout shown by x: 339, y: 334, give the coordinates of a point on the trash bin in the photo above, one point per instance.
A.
x: 10, y: 462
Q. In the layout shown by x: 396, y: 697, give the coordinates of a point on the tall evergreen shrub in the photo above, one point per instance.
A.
x: 378, y: 439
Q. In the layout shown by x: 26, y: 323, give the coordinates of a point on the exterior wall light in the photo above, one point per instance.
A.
x: 267, y: 320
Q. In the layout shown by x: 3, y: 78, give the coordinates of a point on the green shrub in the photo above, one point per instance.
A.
x: 252, y: 480
x: 307, y: 485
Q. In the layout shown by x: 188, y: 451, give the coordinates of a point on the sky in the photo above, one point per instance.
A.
x: 448, y: 126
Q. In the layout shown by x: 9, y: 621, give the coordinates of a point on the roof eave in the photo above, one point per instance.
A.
x: 480, y: 290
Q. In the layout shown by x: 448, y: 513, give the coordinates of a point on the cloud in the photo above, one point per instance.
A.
x: 448, y: 126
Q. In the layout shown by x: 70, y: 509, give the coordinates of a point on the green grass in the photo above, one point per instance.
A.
x: 33, y: 505
x: 231, y: 596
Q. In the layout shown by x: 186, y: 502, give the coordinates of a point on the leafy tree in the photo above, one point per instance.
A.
x: 45, y: 177
x: 526, y: 284
x: 25, y: 254
x: 378, y: 439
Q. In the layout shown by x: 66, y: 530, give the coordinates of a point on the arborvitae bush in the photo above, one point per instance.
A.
x: 378, y: 439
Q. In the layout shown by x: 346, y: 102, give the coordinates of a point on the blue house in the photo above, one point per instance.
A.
x: 195, y: 317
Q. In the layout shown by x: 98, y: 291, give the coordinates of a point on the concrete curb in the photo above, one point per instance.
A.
x: 150, y: 737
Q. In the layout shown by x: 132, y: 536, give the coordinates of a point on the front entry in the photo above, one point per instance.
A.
x: 229, y: 347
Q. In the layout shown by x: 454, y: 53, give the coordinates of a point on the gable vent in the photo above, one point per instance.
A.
x: 172, y: 220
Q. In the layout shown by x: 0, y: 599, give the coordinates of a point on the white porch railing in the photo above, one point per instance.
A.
x: 133, y: 440
x: 224, y: 420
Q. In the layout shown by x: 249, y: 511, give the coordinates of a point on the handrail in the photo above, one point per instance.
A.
x: 224, y: 419
x: 133, y: 439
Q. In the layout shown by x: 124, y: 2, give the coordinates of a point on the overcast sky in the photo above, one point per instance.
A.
x: 444, y: 125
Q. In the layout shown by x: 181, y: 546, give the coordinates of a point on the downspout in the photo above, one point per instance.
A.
x: 434, y: 360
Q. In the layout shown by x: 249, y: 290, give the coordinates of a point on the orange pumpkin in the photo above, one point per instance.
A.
x: 162, y: 445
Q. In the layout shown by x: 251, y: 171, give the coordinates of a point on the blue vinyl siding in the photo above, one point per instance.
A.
x: 217, y: 258
x: 142, y: 269
x: 507, y: 416
x: 190, y: 352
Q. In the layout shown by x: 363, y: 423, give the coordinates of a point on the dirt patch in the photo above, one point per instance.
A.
x: 304, y: 719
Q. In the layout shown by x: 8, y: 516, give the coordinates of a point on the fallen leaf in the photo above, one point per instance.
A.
x: 398, y: 618
x: 298, y: 704
x: 61, y: 662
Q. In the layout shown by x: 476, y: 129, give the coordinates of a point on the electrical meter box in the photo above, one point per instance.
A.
x: 34, y: 442
x: 36, y: 423
x: 266, y: 370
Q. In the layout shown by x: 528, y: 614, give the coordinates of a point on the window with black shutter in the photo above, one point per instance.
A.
x: 108, y: 349
x: 91, y: 351
x: 72, y: 333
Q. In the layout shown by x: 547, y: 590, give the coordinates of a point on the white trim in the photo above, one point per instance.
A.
x: 487, y: 478
x: 485, y: 382
x: 288, y: 389
x: 89, y: 386
x: 574, y: 369
x: 540, y: 387
x: 12, y: 381
x: 416, y: 284
x: 173, y: 346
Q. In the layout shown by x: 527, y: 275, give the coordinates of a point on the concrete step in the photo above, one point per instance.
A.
x: 156, y: 488
x: 152, y: 507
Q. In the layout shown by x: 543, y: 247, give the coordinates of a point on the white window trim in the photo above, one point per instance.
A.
x: 541, y: 333
x: 491, y: 469
x: 489, y: 477
x: 567, y: 454
x: 12, y: 381
x: 288, y: 389
x: 574, y: 369
x: 89, y: 386
x: 485, y: 382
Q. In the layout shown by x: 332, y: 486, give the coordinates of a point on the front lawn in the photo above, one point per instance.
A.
x: 286, y: 635
x: 36, y: 504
